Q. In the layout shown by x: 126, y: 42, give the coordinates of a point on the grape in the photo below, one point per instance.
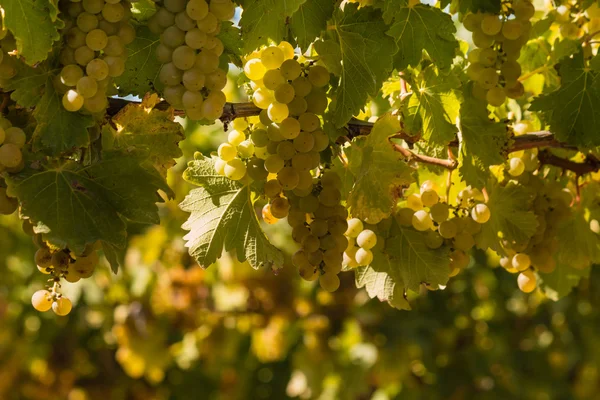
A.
x: 480, y: 213
x: 311, y: 243
x: 495, y: 96
x: 220, y: 166
x: 217, y: 80
x: 482, y: 40
x: 463, y: 241
x: 319, y: 227
x: 272, y: 57
x: 286, y: 150
x: 223, y: 11
x: 414, y: 202
x: 184, y: 57
x: 169, y: 75
x: 459, y: 260
x: 285, y: 93
x: 164, y: 54
x: 62, y: 306
x: 296, y: 218
x: 317, y: 101
x: 97, y: 69
x: 195, y: 38
x: 349, y: 259
x: 488, y: 57
x: 87, y: 87
x: 73, y: 9
x: 472, y: 22
x: 72, y: 101
x: 236, y: 137
x: 298, y: 106
x: 404, y: 216
x: 330, y: 196
x: 474, y: 71
x: 367, y: 239
x: 272, y: 188
x: 439, y: 212
x: 111, y: 28
x: 87, y: 22
x: 516, y: 166
x: 363, y: 257
x: 209, y: 24
x: 289, y: 128
x: 97, y: 103
x: 280, y: 207
x: 488, y: 78
x: 278, y: 112
x: 302, y: 86
x: 433, y: 240
x: 273, y: 79
x: 218, y: 48
x: 429, y: 198
x: 274, y: 164
x: 174, y: 6
x: 113, y: 12
x: 207, y: 61
x: 515, y: 91
x: 491, y: 25
x: 305, y: 181
x: 448, y: 229
x: 262, y: 98
x: 333, y: 261
x: 256, y: 169
x: 116, y: 66
x: 309, y: 204
x: 521, y: 261
x: 421, y: 220
x: 174, y: 96
x: 329, y: 282
x: 70, y: 75
x: 274, y: 134
x: 511, y: 70
x: 235, y: 169
x: 288, y: 178
x: 227, y: 152
x: 83, y: 55
x: 42, y: 300
x: 173, y: 37
x: 474, y: 55
x: 318, y: 76
x: 288, y: 50
x: 337, y: 226
x: 309, y: 122
x: 300, y: 259
x: 114, y: 47
x: 291, y: 69
x: 304, y: 142
x: 96, y: 39
x: 8, y: 205
x: 321, y: 141
x: 193, y: 79
x: 197, y: 9
x: 66, y: 56
x: 527, y: 281
x: 512, y: 29
x: 93, y: 6
x: 259, y: 137
x: 523, y: 9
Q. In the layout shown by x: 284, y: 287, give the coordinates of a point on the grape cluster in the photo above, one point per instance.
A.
x: 12, y: 140
x: 499, y: 38
x: 190, y: 51
x: 443, y: 223
x: 360, y: 244
x: 94, y: 53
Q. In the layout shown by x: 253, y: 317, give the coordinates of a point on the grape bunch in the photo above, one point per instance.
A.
x: 94, y: 52
x: 189, y: 51
x: 12, y: 140
x: 493, y: 64
x: 445, y: 224
x: 360, y: 244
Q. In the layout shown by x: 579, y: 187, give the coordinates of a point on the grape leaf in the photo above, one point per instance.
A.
x: 509, y: 216
x: 142, y: 10
x: 310, y: 20
x: 79, y: 204
x: 578, y: 245
x: 264, y: 20
x: 572, y: 109
x: 419, y: 28
x: 142, y: 67
x: 378, y: 172
x: 35, y: 25
x: 483, y: 142
x: 464, y: 6
x: 57, y: 129
x: 231, y: 38
x: 561, y: 281
x: 144, y: 127
x: 223, y: 217
x: 27, y: 87
x: 364, y: 62
x: 433, y: 107
x: 114, y: 255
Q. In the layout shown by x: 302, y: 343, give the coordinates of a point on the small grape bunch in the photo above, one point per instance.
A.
x: 189, y: 50
x: 360, y: 244
x: 12, y: 141
x: 498, y: 40
x: 44, y: 300
x: 94, y: 52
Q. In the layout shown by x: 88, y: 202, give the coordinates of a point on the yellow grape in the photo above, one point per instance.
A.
x: 481, y: 213
x: 527, y: 281
x: 495, y: 96
x: 42, y: 300
x: 62, y: 306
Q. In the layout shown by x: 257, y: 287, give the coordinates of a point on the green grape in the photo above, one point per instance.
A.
x: 195, y: 38
x: 164, y: 54
x: 321, y: 141
x: 83, y: 55
x: 330, y: 196
x: 448, y: 229
x: 309, y: 122
x: 66, y: 56
x: 305, y: 181
x: 97, y: 103
x: 309, y: 204
x: 511, y: 70
x: 273, y: 79
x: 298, y: 106
x: 527, y: 281
x: 280, y: 207
x: 512, y: 29
x: 514, y: 91
x: 259, y: 137
x: 433, y: 240
x: 96, y: 39
x: 224, y: 11
x: 193, y: 79
x: 337, y: 226
x: 291, y: 69
x: 488, y: 78
x: 329, y: 282
x: 495, y: 96
x: 209, y: 24
x: 240, y: 124
x: 274, y: 133
x: 473, y: 56
x: 285, y: 93
x: 246, y: 149
x: 254, y: 69
x: 302, y: 162
x: 491, y: 25
x: 272, y: 57
x: 62, y: 306
x: 429, y: 198
x: 367, y: 239
x: 197, y: 9
x: 355, y: 227
x: 114, y: 47
x: 318, y: 76
x: 274, y: 163
x: 516, y: 166
x: 42, y: 300
x: 363, y: 257
x: 8, y: 205
x: 207, y: 61
x: 215, y: 45
x: 264, y: 119
x: 297, y: 218
x: 317, y: 102
x: 278, y: 112
x: 302, y: 86
x: 227, y: 152
x: 459, y: 260
x: 93, y: 6
x: 174, y: 96
x: 87, y: 87
x: 439, y: 212
x: 184, y: 22
x: 472, y: 22
x: 73, y: 10
x: 327, y: 242
x: 289, y: 128
x: 116, y: 66
x: 331, y: 179
x: 184, y: 57
x: 300, y: 259
x: 311, y: 243
x: 256, y: 169
x: 333, y: 261
x: 43, y: 258
x: 169, y: 75
x: 488, y: 57
x: 87, y: 22
x: 272, y: 188
x: 474, y: 71
x: 236, y: 137
x: 349, y: 259
x: 523, y: 9
x: 324, y: 212
x: 304, y: 142
x: 286, y: 150
x: 481, y: 213
x: 70, y: 75
x: 110, y: 28
x: 414, y: 202
x: 173, y: 37
x: 72, y: 101
x: 174, y: 6
x: 482, y: 40
x: 97, y: 69
x: 463, y: 241
x: 288, y: 178
x: 235, y: 169
x: 217, y: 80
x: 319, y: 227
x: 262, y: 99
x: 114, y: 12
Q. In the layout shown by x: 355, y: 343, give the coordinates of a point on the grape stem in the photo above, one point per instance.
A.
x: 590, y: 164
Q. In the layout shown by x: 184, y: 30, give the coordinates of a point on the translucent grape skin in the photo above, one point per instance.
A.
x: 62, y: 306
x: 367, y: 239
x: 42, y: 300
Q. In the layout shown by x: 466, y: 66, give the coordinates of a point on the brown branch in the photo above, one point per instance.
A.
x: 410, y: 156
x: 591, y: 163
x: 536, y: 140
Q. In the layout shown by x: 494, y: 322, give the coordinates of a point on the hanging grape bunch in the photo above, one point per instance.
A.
x: 94, y: 53
x: 190, y: 51
x: 499, y: 38
x: 12, y: 140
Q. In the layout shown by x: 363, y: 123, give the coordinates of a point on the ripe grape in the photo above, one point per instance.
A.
x: 286, y: 150
x: 70, y: 75
x: 429, y: 198
x: 491, y: 25
x: 235, y: 169
x: 515, y: 91
x: 93, y: 6
x: 488, y: 78
x: 42, y: 300
x: 482, y: 40
x: 272, y: 57
x: 193, y: 79
x: 367, y: 239
x: 414, y: 202
x: 97, y: 69
x: 274, y: 163
x: 96, y: 39
x: 516, y: 166
x: 288, y: 178
x: 512, y: 29
x: 304, y: 142
x: 318, y: 76
x: 448, y: 229
x: 511, y: 70
x: 227, y: 152
x: 433, y: 240
x: 439, y: 212
x: 285, y: 93
x: 83, y: 55
x: 309, y: 122
x: 309, y: 204
x: 72, y: 101
x: 113, y: 12
x: 298, y: 106
x: 62, y: 306
x: 521, y: 261
x: 280, y: 207
x: 421, y: 220
x: 363, y: 257
x: 87, y: 87
x: 207, y: 61
x: 289, y: 128
x: 302, y: 86
x: 184, y: 57
x: 116, y: 66
x: 87, y: 22
x: 330, y: 196
x: 329, y: 282
x: 523, y: 9
x: 527, y: 281
x: 495, y: 96
x: 254, y: 69
x: 197, y: 9
x: 278, y: 112
x: 463, y: 241
x: 290, y: 69
x: 472, y: 22
x: 481, y: 213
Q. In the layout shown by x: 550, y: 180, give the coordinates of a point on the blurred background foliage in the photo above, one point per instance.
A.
x: 166, y: 329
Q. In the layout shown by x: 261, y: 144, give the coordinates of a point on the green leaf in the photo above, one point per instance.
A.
x: 482, y: 141
x: 142, y: 10
x: 231, y: 37
x: 142, y: 67
x: 34, y: 24
x: 114, y: 255
x: 141, y: 126
x: 58, y: 130
x: 223, y: 218
x: 572, y: 109
x: 28, y: 85
x: 433, y: 107
x: 266, y: 20
x: 310, y: 20
x: 378, y: 171
x: 419, y: 28
x: 578, y: 245
x: 464, y: 6
x: 509, y: 217
x: 362, y: 57
x: 79, y: 204
x: 560, y: 282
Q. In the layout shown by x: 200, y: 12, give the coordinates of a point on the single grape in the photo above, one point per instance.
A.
x: 421, y: 220
x: 309, y: 204
x: 262, y: 98
x: 285, y: 93
x: 448, y: 229
x: 87, y: 87
x: 288, y: 178
x: 62, y: 306
x: 87, y: 22
x: 367, y: 239
x: 433, y: 240
x: 404, y: 216
x: 302, y: 86
x: 439, y: 212
x: 286, y: 150
x: 197, y: 9
x: 309, y: 122
x: 521, y: 261
x: 97, y: 69
x: 512, y: 29
x: 459, y: 260
x: 329, y: 282
x: 126, y: 33
x: 318, y: 76
x: 272, y: 57
x: 414, y: 202
x: 274, y: 163
x: 42, y: 300
x: 280, y: 207
x: 472, y: 22
x: 488, y: 78
x: 278, y: 112
x: 72, y: 101
x: 298, y: 106
x: 96, y: 39
x: 491, y: 24
x: 523, y: 9
x: 330, y: 196
x: 273, y: 79
x: 207, y: 61
x: 224, y: 11
x: 236, y: 137
x: 289, y: 128
x: 254, y: 69
x: 516, y: 167
x: 363, y: 257
x: 527, y: 281
x: 304, y: 142
x: 495, y: 96
x: 429, y: 198
x: 113, y: 12
x: 511, y: 70
x: 481, y: 213
x: 488, y: 57
x: 290, y: 69
x: 83, y: 55
x: 515, y: 91
x: 116, y: 66
x: 235, y: 169
x: 482, y: 40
